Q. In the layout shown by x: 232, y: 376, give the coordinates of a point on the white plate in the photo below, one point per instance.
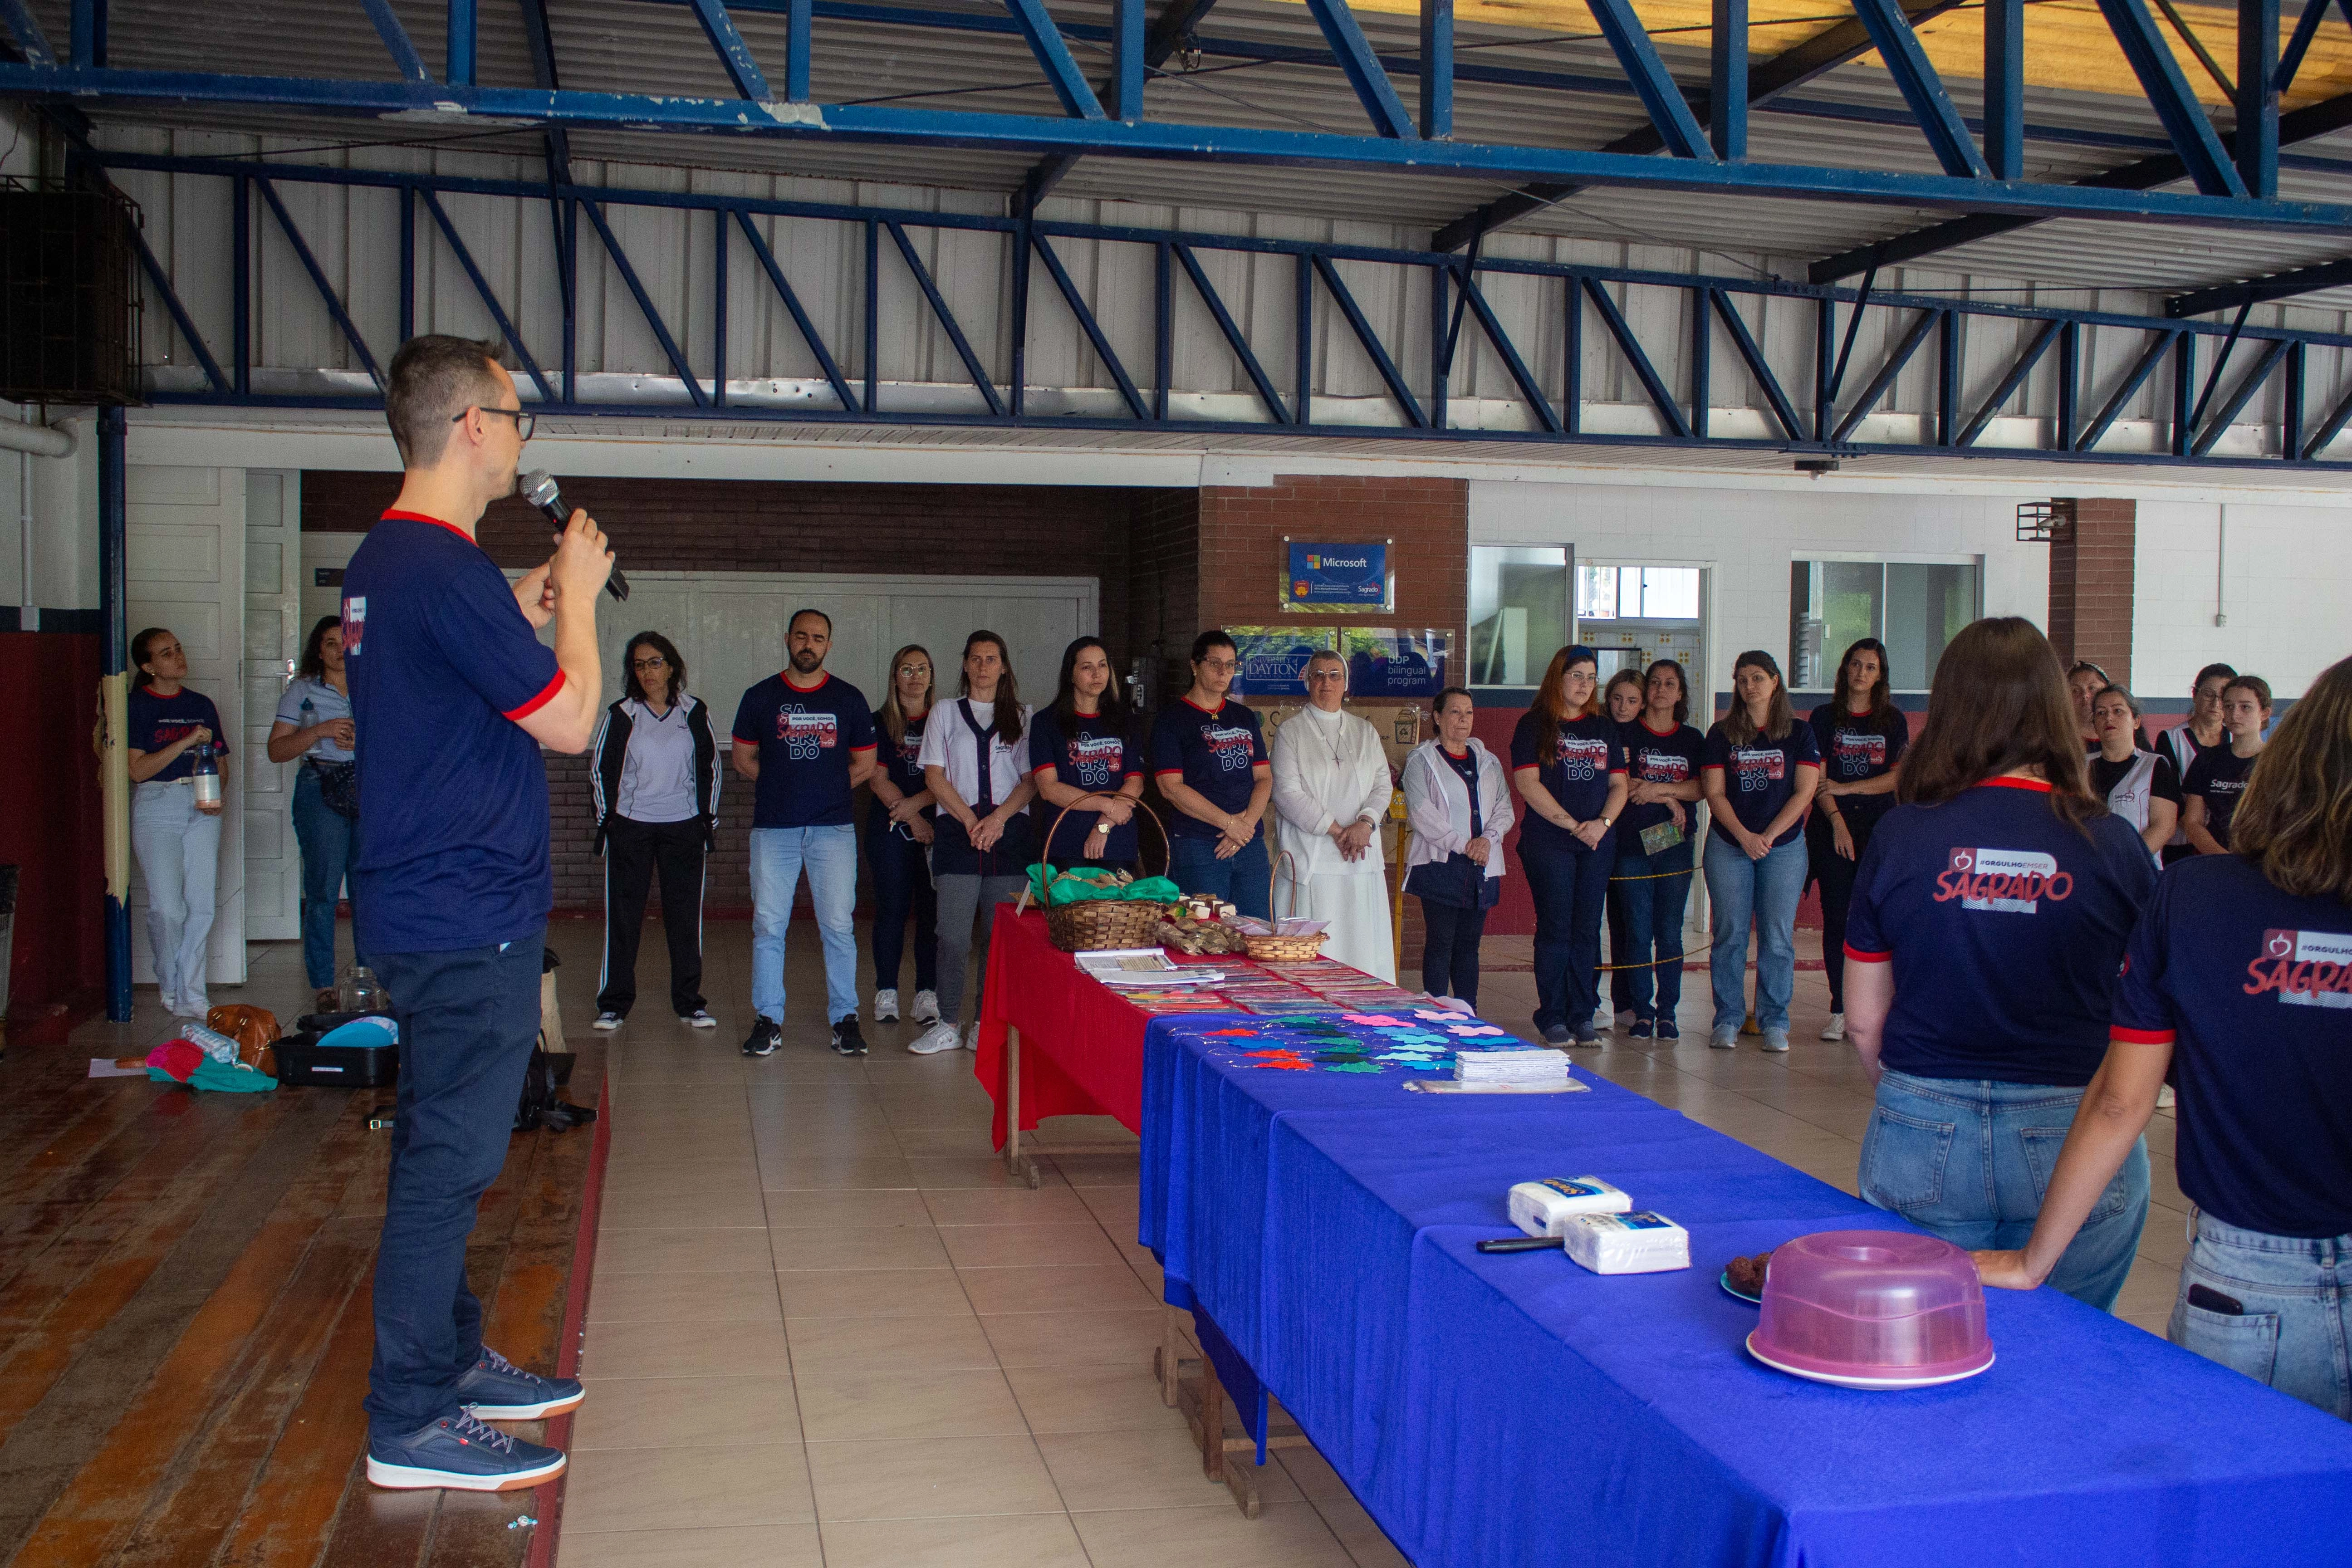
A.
x: 1862, y: 1381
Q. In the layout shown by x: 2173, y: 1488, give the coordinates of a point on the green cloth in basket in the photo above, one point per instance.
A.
x: 1080, y: 884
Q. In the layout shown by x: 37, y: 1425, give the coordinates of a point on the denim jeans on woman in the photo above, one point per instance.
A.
x: 1766, y: 892
x: 1654, y: 890
x: 1970, y: 1160
x: 330, y: 842
x: 1242, y: 879
x: 2295, y: 1331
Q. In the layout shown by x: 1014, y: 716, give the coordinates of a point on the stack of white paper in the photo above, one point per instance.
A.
x: 1642, y: 1243
x: 1143, y: 968
x: 1533, y: 1065
x: 1544, y: 1208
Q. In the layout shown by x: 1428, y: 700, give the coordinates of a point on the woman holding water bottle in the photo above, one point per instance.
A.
x: 177, y: 756
x: 314, y: 723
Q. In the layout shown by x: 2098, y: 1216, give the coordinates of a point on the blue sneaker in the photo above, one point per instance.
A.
x: 463, y: 1455
x: 495, y: 1389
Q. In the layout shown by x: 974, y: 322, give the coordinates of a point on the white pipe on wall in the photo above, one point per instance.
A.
x: 40, y: 440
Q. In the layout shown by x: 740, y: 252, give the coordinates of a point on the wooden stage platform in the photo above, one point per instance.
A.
x: 184, y: 1321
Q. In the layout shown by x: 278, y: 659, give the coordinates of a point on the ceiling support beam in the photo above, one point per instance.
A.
x: 1136, y: 54
x: 1784, y: 72
x: 2296, y: 125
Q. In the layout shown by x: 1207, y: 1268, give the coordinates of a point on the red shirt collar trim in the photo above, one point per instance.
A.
x: 786, y: 675
x: 420, y: 517
x: 1661, y: 734
x: 2039, y: 786
x: 1212, y: 712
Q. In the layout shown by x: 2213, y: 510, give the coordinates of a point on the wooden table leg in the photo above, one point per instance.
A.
x: 1021, y: 1165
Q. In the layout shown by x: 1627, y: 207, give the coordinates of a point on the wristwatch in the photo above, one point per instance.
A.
x: 1102, y: 827
x: 1606, y: 823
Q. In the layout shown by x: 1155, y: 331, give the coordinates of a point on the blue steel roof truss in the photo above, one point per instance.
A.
x: 1554, y: 402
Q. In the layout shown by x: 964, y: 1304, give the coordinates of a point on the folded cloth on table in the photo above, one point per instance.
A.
x: 174, y: 1059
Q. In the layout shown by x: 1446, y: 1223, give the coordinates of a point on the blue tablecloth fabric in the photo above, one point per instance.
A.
x: 1515, y: 1409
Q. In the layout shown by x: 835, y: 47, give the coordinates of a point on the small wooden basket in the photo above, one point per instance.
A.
x: 1274, y: 948
x: 1096, y: 925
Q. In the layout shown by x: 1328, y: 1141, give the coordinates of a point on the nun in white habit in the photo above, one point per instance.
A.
x: 1330, y: 790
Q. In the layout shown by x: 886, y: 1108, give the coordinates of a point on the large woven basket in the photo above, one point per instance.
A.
x: 1274, y: 948
x: 1094, y: 925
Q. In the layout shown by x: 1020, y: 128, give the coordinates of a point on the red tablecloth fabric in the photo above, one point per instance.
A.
x: 1081, y: 1044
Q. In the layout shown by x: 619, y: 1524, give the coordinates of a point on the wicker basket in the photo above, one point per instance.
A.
x: 1094, y: 925
x: 1277, y: 949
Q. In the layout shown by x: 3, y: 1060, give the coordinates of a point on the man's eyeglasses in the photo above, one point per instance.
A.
x: 522, y: 421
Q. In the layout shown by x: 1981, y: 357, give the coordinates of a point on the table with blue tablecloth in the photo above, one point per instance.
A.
x: 1513, y: 1408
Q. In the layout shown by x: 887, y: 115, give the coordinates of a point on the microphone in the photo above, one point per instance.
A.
x: 539, y: 488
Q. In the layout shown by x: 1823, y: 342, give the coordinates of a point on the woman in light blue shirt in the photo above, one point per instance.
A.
x: 314, y: 723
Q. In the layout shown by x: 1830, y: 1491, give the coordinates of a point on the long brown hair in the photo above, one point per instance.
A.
x: 891, y: 716
x: 1999, y: 705
x: 1549, y: 701
x: 1780, y: 717
x: 1880, y: 694
x: 1007, y: 723
x: 2295, y: 821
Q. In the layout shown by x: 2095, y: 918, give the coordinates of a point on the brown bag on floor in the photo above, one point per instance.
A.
x: 253, y: 1029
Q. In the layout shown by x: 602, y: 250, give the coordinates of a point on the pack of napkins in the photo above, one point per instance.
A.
x: 1637, y: 1243
x: 1533, y: 1065
x: 1544, y: 1208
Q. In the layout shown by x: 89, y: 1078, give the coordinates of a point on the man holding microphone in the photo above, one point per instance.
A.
x: 454, y: 695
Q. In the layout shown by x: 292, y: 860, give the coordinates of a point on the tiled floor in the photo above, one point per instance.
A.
x: 825, y: 1330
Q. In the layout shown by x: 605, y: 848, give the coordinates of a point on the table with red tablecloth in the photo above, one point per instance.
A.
x: 1081, y: 1043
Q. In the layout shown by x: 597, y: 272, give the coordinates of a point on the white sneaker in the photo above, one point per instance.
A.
x: 927, y: 1006
x: 1622, y: 1024
x: 2165, y: 1099
x: 936, y: 1038
x: 1836, y: 1030
x: 886, y: 1005
x: 971, y: 1036
x: 699, y: 1019
x: 1776, y: 1039
x: 606, y: 1021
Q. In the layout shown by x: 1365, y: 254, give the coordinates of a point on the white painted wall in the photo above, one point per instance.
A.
x: 2279, y: 573
x: 1746, y: 539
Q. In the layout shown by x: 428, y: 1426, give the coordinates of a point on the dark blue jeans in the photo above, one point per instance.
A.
x: 902, y: 887
x: 468, y: 1022
x: 1241, y: 881
x: 1449, y: 949
x: 330, y: 842
x: 1570, y: 887
x: 1652, y: 896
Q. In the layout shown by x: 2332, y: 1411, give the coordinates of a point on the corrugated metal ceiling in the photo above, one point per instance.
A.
x: 631, y: 46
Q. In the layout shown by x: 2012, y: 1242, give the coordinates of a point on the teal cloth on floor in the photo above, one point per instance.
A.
x: 212, y: 1075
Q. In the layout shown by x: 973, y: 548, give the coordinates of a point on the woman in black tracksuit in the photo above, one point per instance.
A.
x: 654, y: 771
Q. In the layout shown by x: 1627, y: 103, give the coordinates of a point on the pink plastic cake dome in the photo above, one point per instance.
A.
x: 1873, y: 1308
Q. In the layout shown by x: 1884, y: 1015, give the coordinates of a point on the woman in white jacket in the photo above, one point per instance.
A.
x: 1457, y: 802
x: 1330, y: 790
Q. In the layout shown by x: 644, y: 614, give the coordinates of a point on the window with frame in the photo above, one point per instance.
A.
x: 1519, y: 612
x: 1915, y: 607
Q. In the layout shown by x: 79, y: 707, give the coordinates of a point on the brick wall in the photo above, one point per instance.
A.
x: 1427, y: 522
x: 2091, y: 571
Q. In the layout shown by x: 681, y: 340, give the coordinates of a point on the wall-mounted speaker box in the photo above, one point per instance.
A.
x: 68, y: 299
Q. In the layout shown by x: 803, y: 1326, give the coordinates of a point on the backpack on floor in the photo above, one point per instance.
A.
x: 540, y: 1105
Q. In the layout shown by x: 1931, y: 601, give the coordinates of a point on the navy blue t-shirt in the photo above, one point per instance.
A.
x: 899, y: 761
x: 1855, y: 748
x: 1672, y: 758
x: 1760, y: 776
x: 2253, y: 989
x: 157, y: 721
x: 442, y: 668
x: 1095, y: 754
x: 1465, y: 768
x: 2006, y: 926
x: 2218, y: 777
x: 806, y: 741
x: 1577, y: 773
x: 1214, y: 753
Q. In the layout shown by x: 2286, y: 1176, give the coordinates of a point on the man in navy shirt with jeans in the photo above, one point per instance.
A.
x: 454, y: 694
x: 806, y: 741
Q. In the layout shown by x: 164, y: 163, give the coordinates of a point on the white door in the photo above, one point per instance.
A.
x: 184, y: 563
x: 274, y: 631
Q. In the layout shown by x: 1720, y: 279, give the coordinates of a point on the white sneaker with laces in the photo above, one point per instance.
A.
x: 886, y: 1005
x: 606, y: 1021
x: 971, y: 1036
x: 699, y: 1019
x: 1836, y: 1030
x: 932, y: 1041
x: 1776, y: 1040
x: 927, y: 1006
